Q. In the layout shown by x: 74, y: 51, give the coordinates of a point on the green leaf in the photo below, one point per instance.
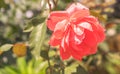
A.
x: 2, y: 3
x: 30, y: 67
x: 28, y: 28
x: 33, y: 22
x: 44, y: 54
x: 41, y: 69
x: 37, y: 37
x: 11, y: 70
x: 21, y: 62
x: 71, y: 68
x: 104, y: 46
x: 6, y: 47
x: 80, y: 70
x: 111, y: 68
x: 3, y: 71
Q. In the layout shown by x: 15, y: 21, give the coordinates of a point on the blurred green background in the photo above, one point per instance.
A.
x: 24, y: 39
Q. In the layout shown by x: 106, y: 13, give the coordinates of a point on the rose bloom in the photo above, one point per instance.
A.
x: 75, y: 31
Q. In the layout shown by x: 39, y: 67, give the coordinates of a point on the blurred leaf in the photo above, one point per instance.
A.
x: 28, y: 28
x: 37, y: 37
x: 30, y: 69
x: 44, y: 54
x: 71, y: 68
x: 110, y: 68
x: 33, y: 22
x: 118, y: 28
x: 21, y: 63
x: 3, y: 71
x: 67, y: 1
x: 104, y: 46
x: 2, y: 3
x: 96, y: 14
x: 6, y: 47
x: 115, y: 58
x: 80, y: 70
x: 41, y: 69
x: 11, y: 70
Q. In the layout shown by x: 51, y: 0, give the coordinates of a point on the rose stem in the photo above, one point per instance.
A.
x: 49, y: 60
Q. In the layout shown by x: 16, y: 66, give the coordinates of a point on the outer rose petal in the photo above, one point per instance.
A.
x: 79, y: 15
x: 64, y: 54
x: 93, y: 50
x: 75, y: 51
x: 54, y: 41
x: 85, y: 49
x: 76, y: 7
x: 90, y: 38
x: 96, y: 27
x: 56, y: 17
x: 76, y: 54
x: 101, y: 34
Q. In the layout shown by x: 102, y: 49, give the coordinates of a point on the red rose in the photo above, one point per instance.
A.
x: 75, y: 31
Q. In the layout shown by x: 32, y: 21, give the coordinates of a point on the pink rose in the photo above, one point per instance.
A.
x: 75, y: 31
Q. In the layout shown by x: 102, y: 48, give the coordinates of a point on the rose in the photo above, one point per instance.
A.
x: 75, y: 31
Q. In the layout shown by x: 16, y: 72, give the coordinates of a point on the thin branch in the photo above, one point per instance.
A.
x: 50, y: 8
x: 63, y: 71
x: 48, y: 56
x: 55, y: 2
x: 49, y: 60
x: 62, y: 67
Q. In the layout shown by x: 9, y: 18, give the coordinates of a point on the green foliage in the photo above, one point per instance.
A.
x: 6, y: 47
x: 21, y: 63
x: 23, y: 67
x: 80, y: 70
x: 98, y: 15
x: 37, y: 37
x: 2, y: 3
x: 71, y: 68
x: 33, y: 22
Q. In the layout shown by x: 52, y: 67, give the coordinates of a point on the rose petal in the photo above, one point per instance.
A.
x: 64, y: 47
x: 90, y: 38
x: 101, y: 33
x: 75, y: 52
x: 56, y: 17
x: 96, y: 27
x: 85, y: 49
x: 53, y: 41
x: 93, y: 50
x: 76, y: 7
x: 64, y: 54
x: 76, y: 36
x: 77, y: 15
x: 86, y: 25
x: 78, y: 30
x: 60, y: 29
